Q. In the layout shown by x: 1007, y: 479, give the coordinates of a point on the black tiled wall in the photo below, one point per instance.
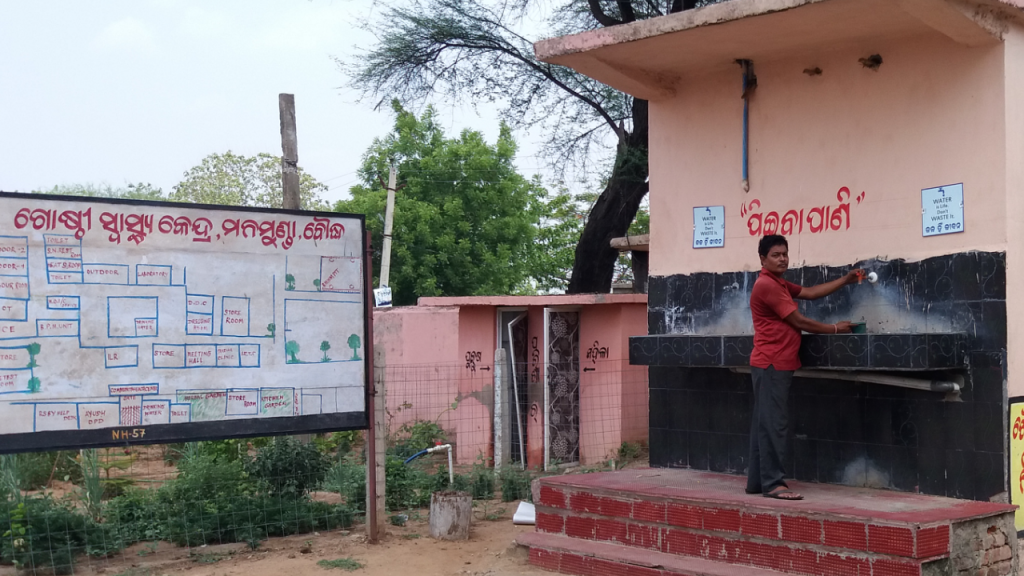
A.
x: 847, y: 432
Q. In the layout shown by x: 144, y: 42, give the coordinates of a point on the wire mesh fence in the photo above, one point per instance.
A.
x: 73, y: 512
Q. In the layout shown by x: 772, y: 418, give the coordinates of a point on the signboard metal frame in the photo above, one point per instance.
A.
x: 217, y: 429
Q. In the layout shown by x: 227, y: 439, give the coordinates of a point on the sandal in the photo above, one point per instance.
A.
x: 779, y: 495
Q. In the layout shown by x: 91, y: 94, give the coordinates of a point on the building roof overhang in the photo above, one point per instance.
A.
x: 648, y: 58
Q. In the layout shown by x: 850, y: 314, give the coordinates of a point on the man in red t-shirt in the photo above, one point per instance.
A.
x: 777, y: 328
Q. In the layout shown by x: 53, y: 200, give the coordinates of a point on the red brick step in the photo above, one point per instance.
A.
x: 587, y: 558
x: 794, y: 555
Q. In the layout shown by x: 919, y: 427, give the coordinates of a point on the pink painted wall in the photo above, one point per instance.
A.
x: 477, y: 332
x: 635, y: 397
x: 421, y: 357
x: 437, y: 356
x: 931, y: 115
x: 1014, y: 158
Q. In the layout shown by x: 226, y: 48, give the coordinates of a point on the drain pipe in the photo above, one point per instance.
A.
x: 947, y: 386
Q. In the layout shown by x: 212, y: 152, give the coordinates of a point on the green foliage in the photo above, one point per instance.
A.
x: 466, y: 221
x: 139, y: 191
x: 289, y: 282
x: 91, y: 491
x: 413, y: 437
x: 40, y: 532
x: 288, y: 467
x: 403, y: 485
x: 349, y: 480
x: 481, y: 481
x: 234, y: 180
x: 32, y: 471
x: 324, y: 347
x: 340, y: 564
x: 515, y: 484
x: 340, y: 442
x: 630, y: 450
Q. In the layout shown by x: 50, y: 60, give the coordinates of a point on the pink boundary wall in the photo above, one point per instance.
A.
x: 442, y: 352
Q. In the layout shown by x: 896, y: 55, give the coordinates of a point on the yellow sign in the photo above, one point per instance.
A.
x: 1017, y: 461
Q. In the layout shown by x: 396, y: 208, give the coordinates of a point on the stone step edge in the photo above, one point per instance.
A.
x: 635, y: 535
x: 858, y: 533
x: 756, y: 508
x: 586, y: 558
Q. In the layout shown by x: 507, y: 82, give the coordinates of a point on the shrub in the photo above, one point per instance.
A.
x: 42, y: 532
x: 515, y: 484
x: 288, y: 467
x: 349, y: 480
x: 481, y: 481
x: 415, y: 436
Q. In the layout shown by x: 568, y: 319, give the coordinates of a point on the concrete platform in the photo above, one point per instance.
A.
x: 627, y: 520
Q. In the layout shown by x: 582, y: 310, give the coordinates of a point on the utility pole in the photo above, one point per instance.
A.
x: 389, y: 214
x: 290, y: 149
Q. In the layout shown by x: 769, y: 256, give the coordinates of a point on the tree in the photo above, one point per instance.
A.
x: 291, y: 348
x: 465, y: 223
x: 353, y: 343
x: 234, y: 180
x: 472, y: 50
x: 324, y: 347
x: 139, y: 191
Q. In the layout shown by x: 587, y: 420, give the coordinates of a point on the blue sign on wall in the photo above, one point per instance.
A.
x: 942, y: 210
x: 709, y: 226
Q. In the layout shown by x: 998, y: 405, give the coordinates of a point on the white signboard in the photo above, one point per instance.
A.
x: 382, y: 297
x: 942, y: 210
x: 709, y: 227
x: 158, y: 322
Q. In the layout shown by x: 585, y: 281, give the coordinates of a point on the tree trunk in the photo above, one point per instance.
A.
x: 614, y: 211
x: 450, y: 514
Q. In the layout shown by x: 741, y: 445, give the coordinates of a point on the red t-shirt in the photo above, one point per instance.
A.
x: 776, y: 343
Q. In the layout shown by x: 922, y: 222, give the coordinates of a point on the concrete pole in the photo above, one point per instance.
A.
x: 389, y: 214
x: 290, y: 150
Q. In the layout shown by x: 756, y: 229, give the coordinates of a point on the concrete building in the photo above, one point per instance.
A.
x: 566, y: 364
x: 887, y: 134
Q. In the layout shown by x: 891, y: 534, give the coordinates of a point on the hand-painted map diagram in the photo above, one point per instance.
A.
x: 116, y: 314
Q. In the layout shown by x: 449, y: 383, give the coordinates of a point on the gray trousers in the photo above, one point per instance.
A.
x: 768, y: 429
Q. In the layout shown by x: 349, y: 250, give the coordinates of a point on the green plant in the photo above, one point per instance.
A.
x: 288, y: 467
x: 341, y: 564
x: 515, y: 484
x: 324, y: 347
x: 481, y: 481
x: 630, y: 450
x: 289, y: 282
x: 44, y: 533
x: 91, y: 491
x: 148, y: 549
x: 349, y: 480
x: 412, y: 536
x: 340, y: 442
x: 412, y: 437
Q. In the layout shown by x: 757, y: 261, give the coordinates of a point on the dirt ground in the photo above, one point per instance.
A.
x: 490, y: 551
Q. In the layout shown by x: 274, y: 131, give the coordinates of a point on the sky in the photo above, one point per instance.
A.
x: 118, y: 92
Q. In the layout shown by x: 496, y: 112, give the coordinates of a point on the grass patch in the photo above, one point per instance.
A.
x: 211, y: 558
x: 340, y: 564
x: 412, y: 536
